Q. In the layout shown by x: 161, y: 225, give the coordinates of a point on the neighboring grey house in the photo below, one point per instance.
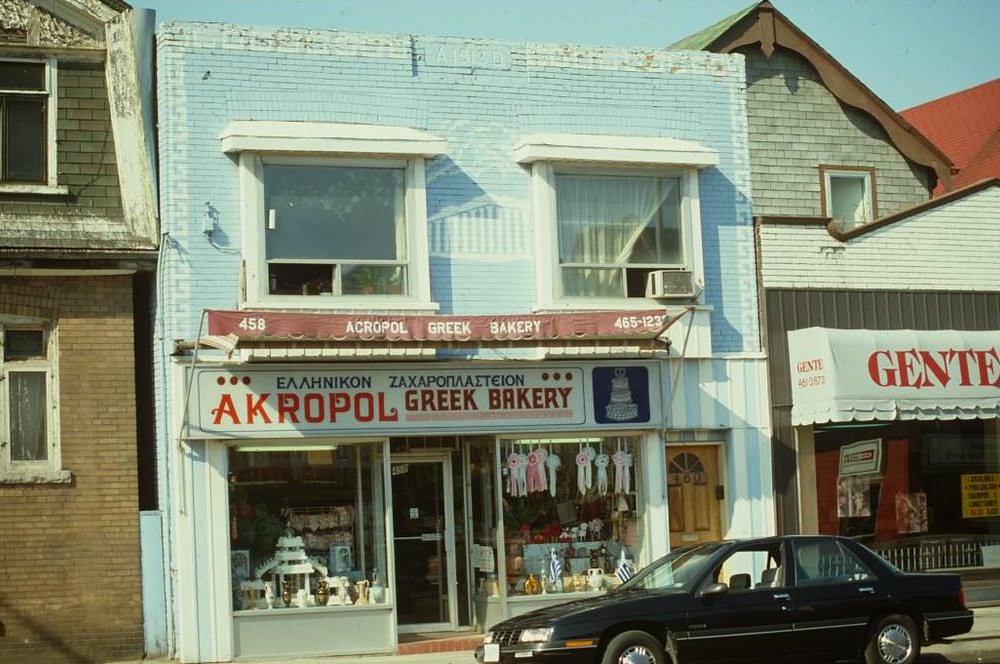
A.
x: 846, y: 238
x: 78, y: 248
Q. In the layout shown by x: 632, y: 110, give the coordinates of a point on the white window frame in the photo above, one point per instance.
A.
x: 49, y: 470
x: 333, y: 144
x: 51, y: 185
x: 549, y: 154
x: 831, y: 174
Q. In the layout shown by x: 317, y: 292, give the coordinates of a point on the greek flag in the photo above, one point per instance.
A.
x: 624, y: 570
x: 555, y: 566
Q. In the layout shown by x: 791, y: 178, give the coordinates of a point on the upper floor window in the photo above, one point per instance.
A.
x: 27, y: 112
x: 848, y: 195
x: 618, y: 218
x: 30, y: 432
x: 614, y: 229
x: 346, y: 220
x: 335, y: 229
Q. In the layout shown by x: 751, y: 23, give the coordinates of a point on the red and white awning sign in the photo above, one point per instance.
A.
x: 843, y: 375
x: 646, y: 324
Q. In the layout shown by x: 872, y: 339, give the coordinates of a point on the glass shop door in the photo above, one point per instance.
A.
x: 424, y: 543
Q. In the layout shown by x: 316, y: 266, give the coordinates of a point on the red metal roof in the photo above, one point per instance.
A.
x: 966, y: 126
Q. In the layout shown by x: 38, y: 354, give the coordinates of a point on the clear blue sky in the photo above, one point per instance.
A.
x: 906, y: 51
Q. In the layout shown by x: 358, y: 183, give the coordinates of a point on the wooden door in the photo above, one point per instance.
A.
x: 692, y: 476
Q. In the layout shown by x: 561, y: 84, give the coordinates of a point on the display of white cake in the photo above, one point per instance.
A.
x: 620, y: 406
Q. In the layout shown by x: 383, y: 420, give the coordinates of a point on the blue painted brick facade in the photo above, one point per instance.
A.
x: 481, y: 96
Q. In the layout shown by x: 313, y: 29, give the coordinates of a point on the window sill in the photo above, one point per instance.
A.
x: 34, y: 189
x: 34, y: 476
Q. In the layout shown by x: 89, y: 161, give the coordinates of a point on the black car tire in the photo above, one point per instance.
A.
x: 895, y: 640
x: 634, y: 647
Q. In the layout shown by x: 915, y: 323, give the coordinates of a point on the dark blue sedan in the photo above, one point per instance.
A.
x: 802, y: 598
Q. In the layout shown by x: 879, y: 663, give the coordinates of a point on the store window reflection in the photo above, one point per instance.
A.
x: 924, y: 494
x: 307, y: 526
x: 569, y: 513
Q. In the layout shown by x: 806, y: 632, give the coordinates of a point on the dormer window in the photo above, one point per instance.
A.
x: 848, y: 195
x: 27, y: 126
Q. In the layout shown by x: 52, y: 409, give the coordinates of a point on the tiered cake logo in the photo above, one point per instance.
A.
x: 620, y: 406
x: 621, y: 394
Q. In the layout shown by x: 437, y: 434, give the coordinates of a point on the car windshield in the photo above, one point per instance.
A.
x: 678, y: 569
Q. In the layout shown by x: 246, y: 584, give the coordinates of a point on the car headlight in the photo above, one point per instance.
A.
x: 535, y: 635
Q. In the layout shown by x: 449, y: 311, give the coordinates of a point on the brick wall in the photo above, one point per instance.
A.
x: 481, y: 96
x: 69, y: 553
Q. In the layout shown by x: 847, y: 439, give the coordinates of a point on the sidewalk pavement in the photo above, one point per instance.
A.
x: 985, y: 635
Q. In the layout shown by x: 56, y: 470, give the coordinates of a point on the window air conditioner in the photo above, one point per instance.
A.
x: 669, y: 283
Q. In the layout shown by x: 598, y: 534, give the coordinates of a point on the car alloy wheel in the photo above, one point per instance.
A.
x: 633, y: 647
x: 895, y: 641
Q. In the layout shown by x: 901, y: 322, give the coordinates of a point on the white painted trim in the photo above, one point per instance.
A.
x: 830, y: 175
x: 49, y: 470
x: 37, y: 189
x: 59, y: 272
x: 51, y: 130
x: 653, y: 486
x: 648, y: 150
x: 329, y: 138
x: 87, y: 15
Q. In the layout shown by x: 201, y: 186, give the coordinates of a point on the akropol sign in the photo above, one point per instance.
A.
x: 274, y: 401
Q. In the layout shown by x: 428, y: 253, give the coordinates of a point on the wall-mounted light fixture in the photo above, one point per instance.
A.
x: 210, y: 220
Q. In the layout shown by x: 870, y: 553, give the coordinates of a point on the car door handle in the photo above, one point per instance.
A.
x: 782, y: 596
x: 868, y: 590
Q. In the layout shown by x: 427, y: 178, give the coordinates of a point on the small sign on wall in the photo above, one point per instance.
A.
x: 980, y: 495
x: 861, y: 458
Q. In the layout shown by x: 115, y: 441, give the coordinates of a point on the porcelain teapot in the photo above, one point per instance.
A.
x: 595, y: 578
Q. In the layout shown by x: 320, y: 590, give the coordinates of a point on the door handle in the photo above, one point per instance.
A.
x: 782, y: 596
x: 868, y: 590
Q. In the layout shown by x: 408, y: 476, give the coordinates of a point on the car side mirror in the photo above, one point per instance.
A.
x: 714, y: 589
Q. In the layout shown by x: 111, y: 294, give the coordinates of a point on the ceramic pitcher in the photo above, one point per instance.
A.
x: 595, y: 578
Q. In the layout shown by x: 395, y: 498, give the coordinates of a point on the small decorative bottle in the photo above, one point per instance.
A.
x: 377, y: 592
x: 322, y: 592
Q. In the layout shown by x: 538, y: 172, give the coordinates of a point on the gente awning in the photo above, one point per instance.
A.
x: 844, y: 375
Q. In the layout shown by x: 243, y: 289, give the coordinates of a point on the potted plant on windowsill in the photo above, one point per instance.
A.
x: 372, y: 280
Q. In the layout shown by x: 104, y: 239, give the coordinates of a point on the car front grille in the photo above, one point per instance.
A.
x: 507, y: 637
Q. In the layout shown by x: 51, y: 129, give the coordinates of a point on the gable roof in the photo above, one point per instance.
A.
x: 763, y: 25
x: 966, y: 126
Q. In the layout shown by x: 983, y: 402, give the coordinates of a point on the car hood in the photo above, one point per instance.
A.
x: 631, y: 600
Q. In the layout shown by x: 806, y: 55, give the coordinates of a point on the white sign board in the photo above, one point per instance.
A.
x: 266, y: 402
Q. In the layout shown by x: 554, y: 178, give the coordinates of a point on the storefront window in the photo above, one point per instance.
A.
x: 482, y: 473
x: 307, y: 526
x: 569, y: 511
x: 924, y: 494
